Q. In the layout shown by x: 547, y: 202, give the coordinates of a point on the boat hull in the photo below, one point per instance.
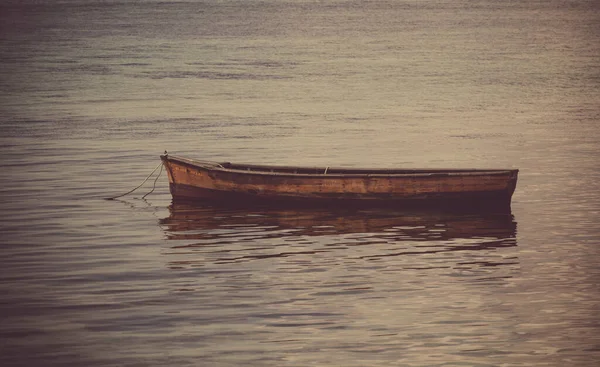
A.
x: 196, y: 180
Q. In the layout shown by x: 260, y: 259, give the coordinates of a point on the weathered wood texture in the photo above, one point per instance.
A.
x: 189, y: 178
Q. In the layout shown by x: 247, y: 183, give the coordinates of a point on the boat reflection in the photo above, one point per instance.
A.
x: 205, y: 222
x: 208, y: 236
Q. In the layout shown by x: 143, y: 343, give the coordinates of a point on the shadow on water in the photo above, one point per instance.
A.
x: 227, y: 234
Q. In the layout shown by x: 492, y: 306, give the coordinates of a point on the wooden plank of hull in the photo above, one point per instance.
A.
x: 213, y: 182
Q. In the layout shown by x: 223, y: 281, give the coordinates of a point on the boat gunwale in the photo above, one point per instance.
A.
x: 265, y: 170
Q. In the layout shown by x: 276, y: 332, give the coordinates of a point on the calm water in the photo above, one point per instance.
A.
x: 93, y: 91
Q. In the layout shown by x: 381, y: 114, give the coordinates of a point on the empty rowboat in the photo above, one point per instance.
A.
x: 191, y: 179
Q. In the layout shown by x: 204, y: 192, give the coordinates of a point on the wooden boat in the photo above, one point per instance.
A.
x: 191, y: 179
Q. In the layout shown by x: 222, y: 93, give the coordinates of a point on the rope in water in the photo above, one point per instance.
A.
x: 154, y: 184
x: 140, y: 185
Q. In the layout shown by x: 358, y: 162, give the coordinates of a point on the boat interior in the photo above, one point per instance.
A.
x: 337, y: 170
x: 274, y: 169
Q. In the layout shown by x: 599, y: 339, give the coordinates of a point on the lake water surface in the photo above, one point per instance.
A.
x: 94, y: 91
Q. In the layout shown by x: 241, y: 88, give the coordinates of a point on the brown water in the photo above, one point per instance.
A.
x: 94, y: 91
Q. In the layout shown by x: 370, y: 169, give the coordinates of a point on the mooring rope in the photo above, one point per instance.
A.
x: 140, y: 185
x: 154, y: 184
